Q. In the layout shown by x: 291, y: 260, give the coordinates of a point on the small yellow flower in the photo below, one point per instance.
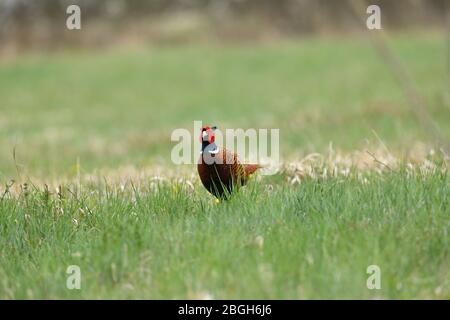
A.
x: 259, y: 241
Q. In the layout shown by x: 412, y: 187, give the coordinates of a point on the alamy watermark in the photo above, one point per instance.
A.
x: 73, y: 21
x: 373, y: 22
x: 73, y: 281
x: 374, y: 280
x: 258, y: 146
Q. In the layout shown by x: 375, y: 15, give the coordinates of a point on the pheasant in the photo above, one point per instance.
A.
x: 219, y: 169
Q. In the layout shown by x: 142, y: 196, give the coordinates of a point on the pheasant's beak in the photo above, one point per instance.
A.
x: 204, y: 136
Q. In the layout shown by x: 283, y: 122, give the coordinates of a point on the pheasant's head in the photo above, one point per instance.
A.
x: 207, y: 138
x: 207, y: 134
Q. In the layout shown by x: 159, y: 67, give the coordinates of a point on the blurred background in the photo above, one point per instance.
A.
x: 110, y: 94
x: 27, y: 24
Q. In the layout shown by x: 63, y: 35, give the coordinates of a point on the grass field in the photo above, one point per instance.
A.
x: 98, y: 124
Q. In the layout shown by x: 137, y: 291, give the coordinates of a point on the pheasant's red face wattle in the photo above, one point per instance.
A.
x: 211, y: 136
x: 209, y: 133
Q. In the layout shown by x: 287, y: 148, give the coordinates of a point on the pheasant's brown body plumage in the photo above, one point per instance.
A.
x: 221, y: 177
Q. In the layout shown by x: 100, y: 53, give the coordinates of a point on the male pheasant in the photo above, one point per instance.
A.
x: 219, y: 169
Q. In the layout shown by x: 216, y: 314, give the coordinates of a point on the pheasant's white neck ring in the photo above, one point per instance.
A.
x: 211, y: 148
x: 215, y: 150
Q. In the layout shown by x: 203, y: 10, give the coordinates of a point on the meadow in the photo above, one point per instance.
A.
x: 86, y: 177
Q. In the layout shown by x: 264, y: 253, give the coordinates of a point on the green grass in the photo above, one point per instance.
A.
x: 119, y: 108
x: 116, y: 109
x: 314, y: 240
